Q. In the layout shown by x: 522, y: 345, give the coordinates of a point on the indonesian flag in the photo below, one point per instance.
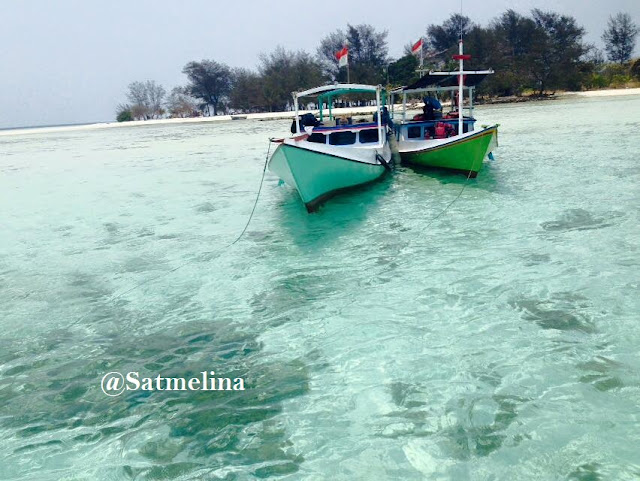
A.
x: 343, y: 57
x: 417, y: 47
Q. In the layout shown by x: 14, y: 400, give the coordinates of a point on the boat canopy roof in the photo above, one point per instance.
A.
x: 436, y: 80
x: 327, y: 92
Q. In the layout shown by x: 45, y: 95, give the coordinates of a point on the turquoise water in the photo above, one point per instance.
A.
x: 497, y: 342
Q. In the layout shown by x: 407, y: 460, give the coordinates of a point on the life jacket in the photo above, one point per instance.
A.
x: 441, y: 130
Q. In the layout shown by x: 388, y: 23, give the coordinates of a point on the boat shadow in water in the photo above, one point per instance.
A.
x: 485, y: 180
x: 336, y: 217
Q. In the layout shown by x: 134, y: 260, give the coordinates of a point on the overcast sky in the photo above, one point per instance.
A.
x: 70, y: 61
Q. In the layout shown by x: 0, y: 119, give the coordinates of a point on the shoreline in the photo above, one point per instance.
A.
x: 266, y: 116
x: 561, y: 95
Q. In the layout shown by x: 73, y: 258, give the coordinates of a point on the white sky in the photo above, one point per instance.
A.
x: 70, y: 61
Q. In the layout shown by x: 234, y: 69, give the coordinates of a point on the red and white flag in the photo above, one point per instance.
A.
x: 417, y: 47
x: 343, y: 57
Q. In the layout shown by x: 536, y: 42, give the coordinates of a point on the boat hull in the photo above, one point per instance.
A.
x: 318, y: 176
x: 463, y: 153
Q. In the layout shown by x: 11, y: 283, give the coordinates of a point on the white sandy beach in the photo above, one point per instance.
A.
x: 263, y: 116
x: 605, y: 93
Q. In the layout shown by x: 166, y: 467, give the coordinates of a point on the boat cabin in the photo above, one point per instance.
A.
x: 438, y: 125
x: 340, y: 130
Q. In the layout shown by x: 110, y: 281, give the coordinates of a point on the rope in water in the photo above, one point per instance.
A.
x: 264, y: 171
x: 464, y: 186
x: 246, y: 226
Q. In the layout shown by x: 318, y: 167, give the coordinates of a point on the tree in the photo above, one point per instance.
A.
x: 511, y: 57
x: 368, y: 54
x: 180, y: 104
x: 481, y: 42
x: 146, y: 99
x: 246, y: 92
x: 137, y: 95
x: 556, y: 50
x: 123, y: 113
x: 595, y: 56
x: 442, y: 38
x: 620, y: 37
x: 326, y: 54
x: 155, y: 94
x: 284, y: 72
x: 487, y: 52
x: 515, y: 33
x: 403, y: 70
x: 209, y: 81
x: 634, y: 71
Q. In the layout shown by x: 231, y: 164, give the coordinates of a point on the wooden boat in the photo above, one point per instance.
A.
x: 327, y: 156
x: 449, y: 141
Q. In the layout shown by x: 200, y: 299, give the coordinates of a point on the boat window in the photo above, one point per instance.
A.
x: 414, y: 132
x: 342, y: 138
x: 317, y: 138
x: 368, y: 136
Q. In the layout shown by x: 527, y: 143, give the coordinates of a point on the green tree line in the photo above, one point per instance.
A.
x: 540, y: 52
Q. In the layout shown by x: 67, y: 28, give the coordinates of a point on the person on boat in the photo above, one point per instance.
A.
x: 431, y: 106
x: 386, y: 118
x: 306, y: 120
x: 431, y: 110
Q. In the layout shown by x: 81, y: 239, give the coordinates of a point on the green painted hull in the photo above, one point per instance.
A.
x: 318, y: 176
x: 464, y: 155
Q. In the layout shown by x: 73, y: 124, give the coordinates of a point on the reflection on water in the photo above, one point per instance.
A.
x: 487, y: 178
x: 340, y: 216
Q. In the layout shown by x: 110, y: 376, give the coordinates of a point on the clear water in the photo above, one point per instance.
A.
x: 498, y: 342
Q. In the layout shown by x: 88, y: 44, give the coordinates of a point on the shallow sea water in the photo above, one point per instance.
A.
x: 497, y: 342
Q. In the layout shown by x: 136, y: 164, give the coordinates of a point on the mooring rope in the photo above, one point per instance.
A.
x: 264, y: 171
x: 244, y: 230
x: 464, y: 186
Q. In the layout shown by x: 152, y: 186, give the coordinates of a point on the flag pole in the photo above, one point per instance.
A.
x: 348, y: 79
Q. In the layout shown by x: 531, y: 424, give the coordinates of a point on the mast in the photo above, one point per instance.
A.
x: 461, y: 58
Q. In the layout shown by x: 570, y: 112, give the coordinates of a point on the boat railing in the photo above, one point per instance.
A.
x: 410, y: 123
x: 359, y: 135
x: 346, y: 127
x: 418, y: 129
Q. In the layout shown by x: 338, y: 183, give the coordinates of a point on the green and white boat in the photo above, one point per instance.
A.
x: 449, y: 141
x: 327, y: 156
